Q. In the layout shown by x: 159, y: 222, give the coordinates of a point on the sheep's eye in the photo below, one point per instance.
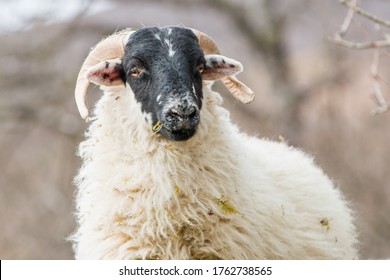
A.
x: 201, y: 68
x: 135, y: 72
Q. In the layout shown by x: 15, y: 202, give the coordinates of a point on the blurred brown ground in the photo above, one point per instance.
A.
x: 317, y: 98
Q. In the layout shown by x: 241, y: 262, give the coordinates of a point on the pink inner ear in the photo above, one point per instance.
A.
x: 105, y: 76
x: 107, y: 73
x: 219, y: 67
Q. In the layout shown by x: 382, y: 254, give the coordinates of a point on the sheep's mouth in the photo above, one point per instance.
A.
x: 177, y: 135
x: 175, y: 131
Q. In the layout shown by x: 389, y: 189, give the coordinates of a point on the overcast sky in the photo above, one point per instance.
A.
x: 18, y: 14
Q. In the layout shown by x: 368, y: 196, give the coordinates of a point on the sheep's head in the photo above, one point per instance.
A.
x: 164, y: 67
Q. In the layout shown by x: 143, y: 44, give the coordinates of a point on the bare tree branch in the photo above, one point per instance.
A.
x: 339, y: 40
x: 377, y: 92
x: 347, y: 21
x: 352, y: 5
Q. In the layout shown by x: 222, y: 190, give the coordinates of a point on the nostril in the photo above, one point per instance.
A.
x: 184, y: 114
x: 192, y: 112
x: 175, y: 113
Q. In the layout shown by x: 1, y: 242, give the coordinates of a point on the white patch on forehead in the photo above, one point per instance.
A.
x: 158, y: 99
x: 169, y: 31
x: 171, y: 52
x: 193, y: 90
x: 157, y: 37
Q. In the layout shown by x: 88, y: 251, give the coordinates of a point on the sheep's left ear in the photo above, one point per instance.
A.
x: 218, y: 67
x: 107, y: 73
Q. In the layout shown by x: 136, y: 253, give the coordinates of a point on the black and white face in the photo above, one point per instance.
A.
x: 164, y: 68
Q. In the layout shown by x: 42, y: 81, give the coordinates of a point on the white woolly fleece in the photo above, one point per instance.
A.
x: 219, y: 195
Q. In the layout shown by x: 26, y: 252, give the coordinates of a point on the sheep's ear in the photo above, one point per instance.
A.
x: 218, y: 67
x: 107, y: 73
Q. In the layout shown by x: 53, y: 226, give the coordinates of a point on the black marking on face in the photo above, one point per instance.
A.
x: 168, y: 84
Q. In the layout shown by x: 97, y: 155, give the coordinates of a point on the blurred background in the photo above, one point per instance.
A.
x: 314, y: 94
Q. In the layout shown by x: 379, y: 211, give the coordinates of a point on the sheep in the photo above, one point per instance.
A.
x: 167, y: 175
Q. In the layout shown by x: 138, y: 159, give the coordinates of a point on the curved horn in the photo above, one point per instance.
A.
x: 239, y: 90
x: 206, y: 43
x: 109, y: 48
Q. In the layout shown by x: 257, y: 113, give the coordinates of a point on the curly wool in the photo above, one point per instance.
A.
x: 219, y: 195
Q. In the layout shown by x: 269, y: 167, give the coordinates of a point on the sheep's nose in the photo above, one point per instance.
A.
x: 182, y: 117
x: 180, y: 112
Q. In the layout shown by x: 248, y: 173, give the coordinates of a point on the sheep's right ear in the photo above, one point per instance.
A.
x: 222, y: 68
x: 218, y: 67
x: 107, y: 73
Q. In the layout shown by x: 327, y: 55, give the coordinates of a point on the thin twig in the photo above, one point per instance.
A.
x: 357, y: 45
x: 347, y: 21
x: 338, y: 38
x: 352, y: 5
x: 377, y: 92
